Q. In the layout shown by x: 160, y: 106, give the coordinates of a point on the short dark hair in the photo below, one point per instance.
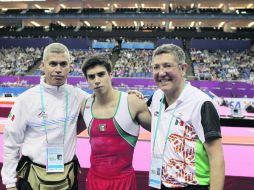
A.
x: 95, y: 60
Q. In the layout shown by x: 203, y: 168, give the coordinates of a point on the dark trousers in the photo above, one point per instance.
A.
x: 190, y: 187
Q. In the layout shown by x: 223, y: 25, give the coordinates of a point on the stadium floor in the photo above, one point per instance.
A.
x: 238, y: 145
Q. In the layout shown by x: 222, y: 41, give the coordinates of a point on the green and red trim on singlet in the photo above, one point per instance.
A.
x: 111, y: 156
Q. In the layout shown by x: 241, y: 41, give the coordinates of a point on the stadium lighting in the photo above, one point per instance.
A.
x: 63, y: 6
x: 87, y: 23
x: 115, y: 5
x: 250, y: 5
x: 221, y: 5
x: 170, y: 24
x: 141, y: 23
x: 48, y: 11
x: 61, y: 23
x: 163, y: 23
x: 35, y: 23
x: 251, y: 24
x: 192, y: 23
x: 192, y: 5
x: 135, y: 23
x: 221, y: 24
x: 37, y: 6
x: 143, y: 5
x: 114, y: 23
x: 136, y: 5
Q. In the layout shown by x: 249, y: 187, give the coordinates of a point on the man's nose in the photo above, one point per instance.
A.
x: 58, y: 68
x: 97, y: 80
x: 161, y: 71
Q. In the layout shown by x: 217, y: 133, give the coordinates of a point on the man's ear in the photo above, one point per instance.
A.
x: 71, y: 69
x: 41, y: 67
x: 184, y: 68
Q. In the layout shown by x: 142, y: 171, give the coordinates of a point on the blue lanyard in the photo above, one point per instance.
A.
x: 169, y: 126
x: 43, y: 112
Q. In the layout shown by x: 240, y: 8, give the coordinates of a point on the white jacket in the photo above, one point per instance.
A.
x: 25, y: 134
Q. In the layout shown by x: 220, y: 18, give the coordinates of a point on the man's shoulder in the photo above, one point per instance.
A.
x: 136, y: 102
x: 197, y: 94
x: 157, y: 95
x: 31, y: 92
x: 29, y: 96
x: 198, y: 97
x: 78, y: 91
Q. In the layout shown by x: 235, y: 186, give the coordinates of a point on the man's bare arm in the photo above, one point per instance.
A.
x: 140, y: 112
x: 81, y: 125
x: 217, y: 165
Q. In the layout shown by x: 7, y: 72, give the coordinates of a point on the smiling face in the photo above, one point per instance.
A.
x: 56, y: 68
x: 168, y: 74
x: 99, y: 79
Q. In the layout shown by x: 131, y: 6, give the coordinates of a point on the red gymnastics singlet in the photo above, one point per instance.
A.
x: 111, y: 157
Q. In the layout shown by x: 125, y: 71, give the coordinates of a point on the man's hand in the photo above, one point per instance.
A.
x: 137, y: 93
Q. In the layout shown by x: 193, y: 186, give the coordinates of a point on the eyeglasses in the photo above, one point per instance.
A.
x: 164, y: 66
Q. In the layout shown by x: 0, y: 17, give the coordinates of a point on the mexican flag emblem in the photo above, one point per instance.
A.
x: 102, y: 127
x: 11, y: 116
x: 179, y: 122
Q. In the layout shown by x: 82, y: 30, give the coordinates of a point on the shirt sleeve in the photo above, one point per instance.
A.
x: 13, y: 138
x: 149, y: 101
x: 210, y: 121
x: 82, y: 94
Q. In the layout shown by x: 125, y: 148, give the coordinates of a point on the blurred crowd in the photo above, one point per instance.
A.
x: 223, y: 65
x: 207, y: 65
x: 18, y: 61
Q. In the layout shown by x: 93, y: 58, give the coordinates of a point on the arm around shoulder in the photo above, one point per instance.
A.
x: 81, y: 125
x: 140, y: 111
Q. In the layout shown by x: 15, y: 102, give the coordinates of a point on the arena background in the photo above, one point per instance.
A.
x: 217, y: 37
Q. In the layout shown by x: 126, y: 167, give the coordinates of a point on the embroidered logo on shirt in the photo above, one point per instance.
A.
x: 11, y: 116
x: 42, y: 114
x: 179, y: 122
x: 156, y: 113
x: 102, y: 127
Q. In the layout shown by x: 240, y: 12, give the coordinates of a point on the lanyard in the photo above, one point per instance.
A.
x: 43, y: 112
x: 169, y: 126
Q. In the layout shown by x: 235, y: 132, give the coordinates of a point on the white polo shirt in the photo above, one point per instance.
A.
x: 194, y: 120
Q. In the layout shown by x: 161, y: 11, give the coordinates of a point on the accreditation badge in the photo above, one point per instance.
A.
x: 155, y: 172
x: 55, y: 158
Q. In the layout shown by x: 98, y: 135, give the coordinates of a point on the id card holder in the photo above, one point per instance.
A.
x: 155, y: 172
x: 55, y: 158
